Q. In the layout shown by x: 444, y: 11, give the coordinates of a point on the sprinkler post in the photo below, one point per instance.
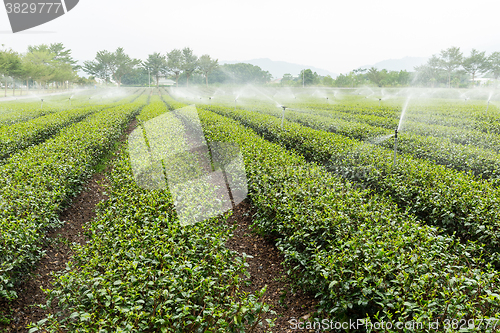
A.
x: 283, y: 116
x: 395, y: 146
x: 379, y: 101
x: 235, y: 104
x: 487, y: 106
x: 70, y: 101
x: 42, y: 104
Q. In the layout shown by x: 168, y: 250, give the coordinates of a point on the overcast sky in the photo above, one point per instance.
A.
x: 334, y: 35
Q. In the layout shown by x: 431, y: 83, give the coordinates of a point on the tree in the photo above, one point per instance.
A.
x: 375, y: 76
x: 451, y: 60
x: 156, y: 64
x: 206, y: 65
x: 37, y: 65
x: 327, y: 81
x: 10, y: 65
x: 100, y: 67
x: 63, y: 72
x: 189, y: 63
x: 307, y: 77
x: 107, y: 64
x: 430, y: 72
x: 138, y: 77
x: 476, y: 63
x: 404, y: 78
x: 494, y: 64
x: 122, y: 64
x: 63, y: 66
x: 342, y: 80
x: 287, y: 79
x: 174, y: 64
x: 62, y: 55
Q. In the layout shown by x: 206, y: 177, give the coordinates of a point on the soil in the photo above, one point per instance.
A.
x: 266, y: 269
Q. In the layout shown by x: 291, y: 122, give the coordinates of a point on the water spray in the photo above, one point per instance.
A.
x: 283, y: 116
x: 395, y: 147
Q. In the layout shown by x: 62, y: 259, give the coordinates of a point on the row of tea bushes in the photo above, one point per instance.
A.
x: 142, y: 271
x: 452, y: 200
x: 360, y: 255
x: 447, y: 113
x: 22, y: 135
x: 374, y: 124
x: 483, y: 163
x: 19, y: 111
x: 459, y: 133
x: 37, y: 182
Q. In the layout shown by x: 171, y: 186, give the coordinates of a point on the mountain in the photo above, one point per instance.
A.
x: 406, y: 63
x: 279, y: 68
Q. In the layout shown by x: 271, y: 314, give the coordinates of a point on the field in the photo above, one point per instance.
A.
x: 363, y: 230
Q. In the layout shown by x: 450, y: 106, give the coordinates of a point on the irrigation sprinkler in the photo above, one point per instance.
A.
x: 70, y: 101
x: 41, y: 106
x: 487, y: 106
x: 235, y: 104
x: 395, y: 146
x: 379, y: 101
x: 283, y: 116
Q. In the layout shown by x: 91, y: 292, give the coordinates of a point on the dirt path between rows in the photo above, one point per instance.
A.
x: 266, y: 268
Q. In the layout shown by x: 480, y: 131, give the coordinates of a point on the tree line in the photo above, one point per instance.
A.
x: 53, y: 65
x: 39, y: 66
x: 356, y: 78
x: 177, y: 64
x: 116, y: 65
x: 451, y: 68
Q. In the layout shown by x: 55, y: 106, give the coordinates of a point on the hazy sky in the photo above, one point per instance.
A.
x: 335, y: 35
